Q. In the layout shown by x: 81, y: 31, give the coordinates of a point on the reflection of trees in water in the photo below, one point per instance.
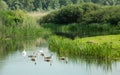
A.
x: 10, y: 46
x: 105, y: 64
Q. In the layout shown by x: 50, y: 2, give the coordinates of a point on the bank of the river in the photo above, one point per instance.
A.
x: 99, y: 47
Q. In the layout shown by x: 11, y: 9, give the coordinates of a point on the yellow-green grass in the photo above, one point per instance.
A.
x: 111, y: 39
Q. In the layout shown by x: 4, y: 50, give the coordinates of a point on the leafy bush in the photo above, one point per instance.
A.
x: 88, y: 7
x: 69, y: 14
x: 104, y: 15
x: 49, y: 18
x: 86, y: 13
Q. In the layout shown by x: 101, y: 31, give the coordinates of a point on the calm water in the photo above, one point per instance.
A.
x: 13, y: 63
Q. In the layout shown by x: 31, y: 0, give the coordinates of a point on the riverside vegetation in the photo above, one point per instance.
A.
x: 17, y: 24
x: 89, y: 21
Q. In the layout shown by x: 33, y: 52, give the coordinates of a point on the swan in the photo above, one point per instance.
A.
x: 24, y: 53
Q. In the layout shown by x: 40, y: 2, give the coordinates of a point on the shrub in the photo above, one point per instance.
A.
x: 104, y: 15
x: 69, y: 14
x: 99, y: 16
x: 85, y: 13
x: 88, y: 7
x: 49, y: 18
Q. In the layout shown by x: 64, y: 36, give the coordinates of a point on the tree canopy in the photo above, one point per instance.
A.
x: 35, y: 5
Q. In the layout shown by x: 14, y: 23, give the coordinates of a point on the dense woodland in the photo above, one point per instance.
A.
x: 37, y: 5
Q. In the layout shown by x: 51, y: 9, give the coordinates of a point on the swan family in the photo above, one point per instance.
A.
x: 33, y: 57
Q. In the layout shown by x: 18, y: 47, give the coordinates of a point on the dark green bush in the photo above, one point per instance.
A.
x: 69, y: 14
x: 50, y: 18
x: 86, y: 13
x: 88, y: 7
x: 104, y: 15
x: 114, y: 13
x: 100, y: 16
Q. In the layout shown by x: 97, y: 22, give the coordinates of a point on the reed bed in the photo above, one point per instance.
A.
x: 100, y: 47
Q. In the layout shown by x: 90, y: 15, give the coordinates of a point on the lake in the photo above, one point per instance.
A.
x: 12, y: 62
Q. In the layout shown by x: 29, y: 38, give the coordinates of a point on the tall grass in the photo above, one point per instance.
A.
x: 94, y: 47
x: 15, y: 25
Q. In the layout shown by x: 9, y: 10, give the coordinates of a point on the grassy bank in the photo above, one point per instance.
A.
x: 99, y: 47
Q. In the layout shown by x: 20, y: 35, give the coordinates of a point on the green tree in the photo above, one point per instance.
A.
x: 37, y: 5
x: 77, y: 1
x: 56, y: 4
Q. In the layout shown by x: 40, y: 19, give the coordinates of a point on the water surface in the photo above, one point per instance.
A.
x: 13, y: 63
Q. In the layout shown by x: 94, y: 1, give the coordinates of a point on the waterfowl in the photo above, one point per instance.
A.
x: 48, y: 58
x: 34, y: 59
x: 32, y: 56
x: 64, y: 59
x: 41, y: 52
x: 24, y: 53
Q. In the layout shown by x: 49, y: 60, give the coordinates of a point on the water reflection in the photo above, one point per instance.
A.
x: 105, y: 64
x: 38, y: 54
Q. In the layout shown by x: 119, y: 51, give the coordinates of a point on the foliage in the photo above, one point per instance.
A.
x: 12, y: 18
x: 104, y: 15
x: 3, y: 5
x: 17, y: 24
x: 86, y: 13
x: 38, y: 5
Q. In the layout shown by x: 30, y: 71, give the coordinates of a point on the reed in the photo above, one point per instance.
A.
x: 91, y: 47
